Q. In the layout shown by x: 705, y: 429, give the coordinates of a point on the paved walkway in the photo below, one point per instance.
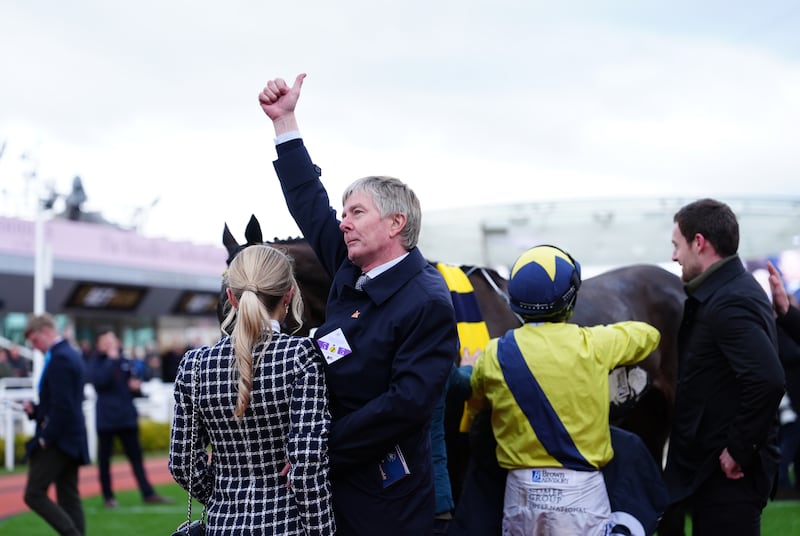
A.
x: 12, y: 486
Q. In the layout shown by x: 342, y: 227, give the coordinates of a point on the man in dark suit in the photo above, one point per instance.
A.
x: 116, y: 381
x: 389, y: 337
x: 723, y: 453
x: 59, y: 445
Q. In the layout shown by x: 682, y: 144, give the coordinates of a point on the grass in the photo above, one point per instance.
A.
x: 133, y: 517
x: 781, y: 518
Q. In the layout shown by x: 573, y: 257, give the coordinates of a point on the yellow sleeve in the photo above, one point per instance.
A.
x: 632, y: 341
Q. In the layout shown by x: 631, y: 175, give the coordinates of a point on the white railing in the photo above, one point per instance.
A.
x: 157, y: 405
x: 13, y: 392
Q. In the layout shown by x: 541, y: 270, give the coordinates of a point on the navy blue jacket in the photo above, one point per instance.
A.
x: 402, y: 333
x: 114, y: 408
x: 59, y: 414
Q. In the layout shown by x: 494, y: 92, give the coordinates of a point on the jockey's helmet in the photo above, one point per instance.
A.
x: 544, y: 284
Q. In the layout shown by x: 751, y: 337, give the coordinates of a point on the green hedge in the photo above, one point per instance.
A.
x: 154, y: 437
x: 19, y: 448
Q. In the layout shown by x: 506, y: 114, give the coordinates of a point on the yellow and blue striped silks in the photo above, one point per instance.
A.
x: 472, y: 330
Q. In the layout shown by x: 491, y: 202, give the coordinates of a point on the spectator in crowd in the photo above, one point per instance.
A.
x: 723, y: 453
x: 59, y: 444
x: 152, y: 363
x: 117, y: 383
x: 788, y: 319
x: 546, y: 384
x: 169, y: 362
x: 390, y: 329
x: 5, y: 368
x: 20, y: 366
x: 784, y: 304
x: 258, y: 397
x: 457, y: 391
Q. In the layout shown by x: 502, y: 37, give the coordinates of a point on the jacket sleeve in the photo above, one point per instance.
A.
x: 188, y: 462
x: 307, y: 444
x: 458, y: 383
x: 790, y: 322
x: 626, y: 343
x: 309, y: 205
x: 745, y: 342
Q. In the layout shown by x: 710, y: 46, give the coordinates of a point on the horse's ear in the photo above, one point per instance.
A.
x: 230, y: 243
x: 252, y: 232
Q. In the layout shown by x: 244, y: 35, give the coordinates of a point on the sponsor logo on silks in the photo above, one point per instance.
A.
x: 540, y: 476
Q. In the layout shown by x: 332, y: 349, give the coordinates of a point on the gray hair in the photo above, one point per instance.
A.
x: 392, y: 196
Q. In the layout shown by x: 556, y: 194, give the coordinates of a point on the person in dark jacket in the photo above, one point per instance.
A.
x: 723, y: 453
x: 59, y: 445
x: 787, y: 313
x: 787, y: 316
x: 115, y: 380
x: 389, y: 336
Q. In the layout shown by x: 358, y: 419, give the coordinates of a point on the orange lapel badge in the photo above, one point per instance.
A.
x: 356, y: 314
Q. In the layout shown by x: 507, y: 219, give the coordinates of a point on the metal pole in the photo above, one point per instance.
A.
x: 39, y: 261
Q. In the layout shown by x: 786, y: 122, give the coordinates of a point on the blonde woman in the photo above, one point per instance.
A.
x: 261, y: 406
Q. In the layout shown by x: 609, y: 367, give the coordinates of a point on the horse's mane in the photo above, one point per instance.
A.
x: 290, y: 240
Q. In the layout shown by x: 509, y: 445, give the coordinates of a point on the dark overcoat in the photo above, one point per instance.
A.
x: 730, y: 382
x: 402, y: 340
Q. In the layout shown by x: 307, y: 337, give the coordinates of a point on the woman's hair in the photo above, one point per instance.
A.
x: 259, y: 277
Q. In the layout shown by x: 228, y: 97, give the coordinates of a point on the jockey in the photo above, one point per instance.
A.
x: 546, y: 384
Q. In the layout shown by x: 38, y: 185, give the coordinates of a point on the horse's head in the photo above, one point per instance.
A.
x: 312, y: 278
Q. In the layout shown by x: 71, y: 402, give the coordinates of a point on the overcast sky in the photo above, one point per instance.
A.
x: 469, y: 102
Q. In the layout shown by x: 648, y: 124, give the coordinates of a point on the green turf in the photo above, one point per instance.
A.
x: 781, y: 518
x: 131, y: 517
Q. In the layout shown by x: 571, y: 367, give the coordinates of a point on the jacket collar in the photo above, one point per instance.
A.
x: 703, y: 286
x: 384, y: 286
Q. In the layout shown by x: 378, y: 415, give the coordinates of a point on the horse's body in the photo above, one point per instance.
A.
x: 639, y: 292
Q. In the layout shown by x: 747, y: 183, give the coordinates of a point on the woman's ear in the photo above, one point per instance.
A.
x: 231, y: 297
x: 287, y: 298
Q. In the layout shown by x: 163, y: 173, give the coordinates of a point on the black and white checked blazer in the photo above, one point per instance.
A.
x: 287, y: 421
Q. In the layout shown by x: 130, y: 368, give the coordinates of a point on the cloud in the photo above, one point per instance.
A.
x: 483, y: 102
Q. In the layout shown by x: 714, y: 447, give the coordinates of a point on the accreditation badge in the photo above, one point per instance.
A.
x: 334, y: 346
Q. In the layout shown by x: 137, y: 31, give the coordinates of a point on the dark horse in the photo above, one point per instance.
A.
x: 638, y: 292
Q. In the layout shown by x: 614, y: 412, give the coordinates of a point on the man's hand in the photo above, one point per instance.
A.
x: 134, y: 385
x: 468, y: 357
x: 780, y: 300
x: 278, y: 101
x: 729, y: 466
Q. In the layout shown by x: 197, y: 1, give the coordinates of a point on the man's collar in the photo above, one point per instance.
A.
x: 719, y: 266
x: 378, y: 270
